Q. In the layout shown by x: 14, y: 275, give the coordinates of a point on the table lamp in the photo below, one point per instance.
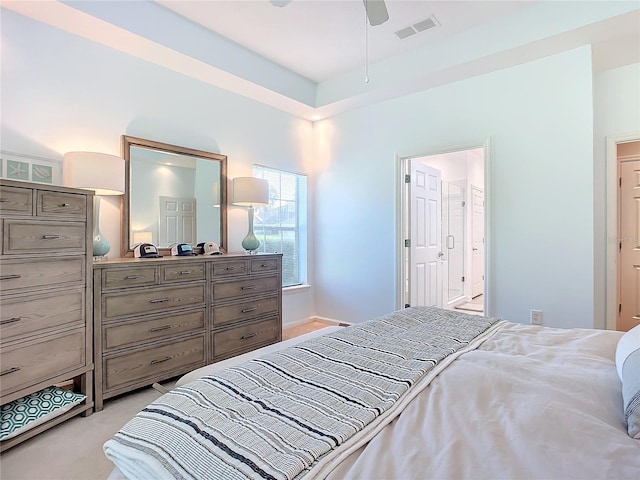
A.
x: 100, y: 172
x: 250, y: 192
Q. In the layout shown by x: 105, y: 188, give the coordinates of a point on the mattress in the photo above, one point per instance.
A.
x: 529, y: 402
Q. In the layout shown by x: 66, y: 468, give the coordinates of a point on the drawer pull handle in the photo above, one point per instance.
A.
x: 4, y: 200
x: 10, y: 320
x: 65, y: 205
x: 160, y: 360
x: 264, y: 265
x: 157, y: 329
x: 50, y: 237
x: 247, y: 310
x: 230, y: 268
x: 185, y: 272
x: 159, y: 300
x: 245, y: 337
x: 10, y: 277
x: 248, y: 287
x: 131, y: 277
x: 10, y: 370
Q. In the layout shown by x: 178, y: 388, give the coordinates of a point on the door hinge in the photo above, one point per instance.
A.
x: 407, y: 242
x: 619, y: 308
x: 407, y: 179
x: 620, y: 246
x: 620, y: 182
x: 464, y: 204
x: 463, y: 279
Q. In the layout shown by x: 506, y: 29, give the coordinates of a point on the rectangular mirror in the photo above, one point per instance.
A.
x: 172, y: 195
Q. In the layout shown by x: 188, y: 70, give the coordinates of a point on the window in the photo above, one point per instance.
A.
x: 281, y: 226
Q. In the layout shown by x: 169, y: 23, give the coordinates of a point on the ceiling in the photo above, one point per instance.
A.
x: 320, y: 39
x: 310, y: 58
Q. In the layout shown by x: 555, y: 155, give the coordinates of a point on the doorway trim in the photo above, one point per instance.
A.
x: 401, y: 219
x: 611, y: 261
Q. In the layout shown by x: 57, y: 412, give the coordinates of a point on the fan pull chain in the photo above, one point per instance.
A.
x: 366, y: 41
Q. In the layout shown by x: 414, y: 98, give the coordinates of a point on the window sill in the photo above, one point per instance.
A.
x: 295, y: 289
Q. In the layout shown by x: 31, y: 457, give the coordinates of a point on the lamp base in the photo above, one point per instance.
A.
x: 250, y: 243
x: 101, y: 245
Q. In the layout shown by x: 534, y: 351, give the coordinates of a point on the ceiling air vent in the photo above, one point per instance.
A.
x: 418, y: 27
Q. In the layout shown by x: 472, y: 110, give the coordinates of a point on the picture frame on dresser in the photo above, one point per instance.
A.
x: 46, y: 327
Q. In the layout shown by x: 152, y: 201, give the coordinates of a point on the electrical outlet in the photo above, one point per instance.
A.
x: 536, y: 317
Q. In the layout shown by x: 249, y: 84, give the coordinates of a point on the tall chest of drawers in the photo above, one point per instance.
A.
x: 45, y: 294
x: 155, y: 319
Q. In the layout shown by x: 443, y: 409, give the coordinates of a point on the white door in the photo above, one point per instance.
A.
x: 424, y: 264
x: 477, y: 241
x: 177, y: 220
x: 629, y: 252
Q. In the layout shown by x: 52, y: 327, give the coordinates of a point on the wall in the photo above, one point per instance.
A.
x: 62, y: 93
x: 539, y: 119
x: 616, y: 114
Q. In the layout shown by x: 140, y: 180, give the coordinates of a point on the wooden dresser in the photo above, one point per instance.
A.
x: 45, y: 294
x: 155, y: 319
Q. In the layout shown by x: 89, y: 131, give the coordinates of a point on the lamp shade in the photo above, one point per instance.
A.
x: 101, y: 172
x: 250, y: 191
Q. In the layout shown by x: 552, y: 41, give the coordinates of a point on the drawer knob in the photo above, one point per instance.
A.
x: 10, y: 320
x: 247, y: 310
x: 131, y: 277
x: 50, y: 237
x: 10, y: 370
x: 248, y: 287
x: 158, y: 329
x: 245, y: 337
x: 10, y: 277
x: 160, y: 360
x: 159, y: 300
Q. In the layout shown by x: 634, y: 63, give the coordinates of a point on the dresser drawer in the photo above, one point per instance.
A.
x: 64, y: 205
x: 245, y: 338
x: 245, y: 310
x: 43, y: 237
x: 258, y: 265
x: 27, y: 363
x: 153, y: 300
x: 244, y: 287
x: 229, y: 268
x: 16, y: 275
x: 183, y: 273
x: 16, y: 201
x: 33, y: 314
x: 114, y: 278
x: 116, y: 335
x: 154, y: 362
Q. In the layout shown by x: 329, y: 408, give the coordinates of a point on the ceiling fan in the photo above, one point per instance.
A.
x: 376, y: 10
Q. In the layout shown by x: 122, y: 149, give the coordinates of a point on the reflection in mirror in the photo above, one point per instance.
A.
x: 174, y: 195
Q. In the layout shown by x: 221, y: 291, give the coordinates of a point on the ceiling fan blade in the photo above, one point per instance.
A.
x: 376, y: 12
x: 279, y: 3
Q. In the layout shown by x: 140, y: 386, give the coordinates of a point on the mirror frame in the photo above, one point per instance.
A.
x: 125, y: 202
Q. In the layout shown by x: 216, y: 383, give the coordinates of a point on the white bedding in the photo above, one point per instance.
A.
x: 531, y: 402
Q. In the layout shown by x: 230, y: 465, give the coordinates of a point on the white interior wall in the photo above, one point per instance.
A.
x: 539, y: 119
x: 616, y: 95
x: 62, y: 93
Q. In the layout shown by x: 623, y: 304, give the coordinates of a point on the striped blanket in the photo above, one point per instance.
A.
x: 289, y: 414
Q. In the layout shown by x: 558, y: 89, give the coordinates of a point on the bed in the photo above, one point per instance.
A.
x: 470, y: 397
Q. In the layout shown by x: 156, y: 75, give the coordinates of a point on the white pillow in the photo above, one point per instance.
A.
x: 629, y: 343
x: 628, y: 366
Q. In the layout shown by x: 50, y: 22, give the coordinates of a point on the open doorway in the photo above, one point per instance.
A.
x: 443, y: 213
